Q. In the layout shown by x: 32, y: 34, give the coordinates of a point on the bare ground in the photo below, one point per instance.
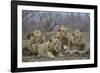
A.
x: 75, y: 56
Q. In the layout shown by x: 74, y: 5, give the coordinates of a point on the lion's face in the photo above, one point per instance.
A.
x: 77, y: 32
x: 60, y: 34
x: 38, y: 36
x: 78, y: 39
x: 37, y: 33
x: 63, y: 30
x: 55, y: 44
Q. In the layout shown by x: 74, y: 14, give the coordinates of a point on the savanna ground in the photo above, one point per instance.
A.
x: 50, y: 21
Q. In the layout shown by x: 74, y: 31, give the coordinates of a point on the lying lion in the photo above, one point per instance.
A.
x: 49, y: 49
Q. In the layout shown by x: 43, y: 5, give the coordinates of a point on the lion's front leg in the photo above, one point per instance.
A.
x: 60, y: 54
x: 50, y: 55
